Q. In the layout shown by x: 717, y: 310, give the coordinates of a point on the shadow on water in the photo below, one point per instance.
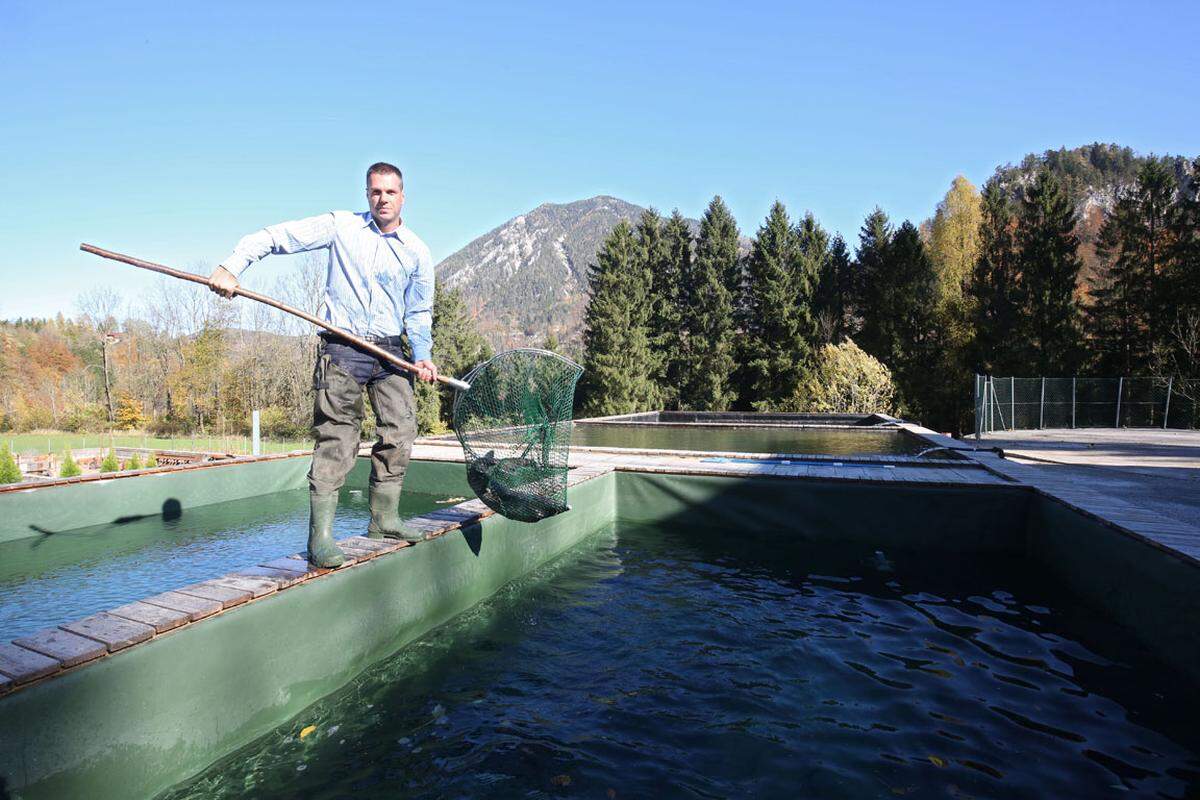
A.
x: 4, y: 795
x: 172, y: 510
x: 472, y: 534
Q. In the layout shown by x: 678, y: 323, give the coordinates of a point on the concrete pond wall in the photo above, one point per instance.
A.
x: 139, y: 721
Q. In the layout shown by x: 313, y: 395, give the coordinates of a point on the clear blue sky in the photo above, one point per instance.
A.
x: 170, y: 132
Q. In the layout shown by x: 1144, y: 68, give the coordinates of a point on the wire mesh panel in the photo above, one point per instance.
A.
x: 514, y: 424
x: 1133, y: 402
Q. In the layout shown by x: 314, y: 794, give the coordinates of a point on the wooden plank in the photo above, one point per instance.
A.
x: 6, y: 684
x: 22, y: 665
x: 116, y: 633
x: 66, y: 648
x: 258, y: 587
x: 300, y: 565
x: 195, y: 607
x: 157, y: 617
x: 374, y: 545
x: 283, y: 578
x: 227, y: 596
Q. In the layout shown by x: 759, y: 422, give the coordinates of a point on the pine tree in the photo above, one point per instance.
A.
x: 869, y: 274
x: 133, y: 463
x: 995, y: 291
x: 110, y: 462
x: 834, y: 293
x: 151, y: 460
x: 814, y: 257
x: 70, y: 468
x: 772, y: 349
x: 9, y: 471
x: 646, y: 359
x: 616, y: 378
x: 667, y: 300
x: 457, y: 347
x: 1131, y: 311
x: 709, y: 313
x: 1183, y: 281
x: 1050, y: 264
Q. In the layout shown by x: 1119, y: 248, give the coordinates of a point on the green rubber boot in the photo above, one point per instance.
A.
x: 385, y: 515
x: 322, y: 552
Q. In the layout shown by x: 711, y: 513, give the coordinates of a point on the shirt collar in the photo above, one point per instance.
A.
x: 369, y: 222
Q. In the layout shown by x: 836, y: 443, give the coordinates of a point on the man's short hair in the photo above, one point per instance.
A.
x: 384, y: 168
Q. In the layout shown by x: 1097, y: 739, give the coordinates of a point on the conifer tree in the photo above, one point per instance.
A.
x: 617, y: 361
x: 907, y: 301
x: 134, y: 462
x: 457, y: 347
x: 1183, y: 281
x: 70, y: 468
x: 9, y: 471
x: 1131, y: 310
x: 773, y: 350
x: 652, y: 256
x: 813, y: 243
x: 834, y: 293
x: 110, y: 462
x: 870, y: 266
x: 1050, y: 263
x: 995, y: 291
x: 667, y: 296
x: 709, y: 313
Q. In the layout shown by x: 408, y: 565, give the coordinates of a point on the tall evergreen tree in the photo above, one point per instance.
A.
x: 813, y: 243
x: 1183, y: 281
x: 906, y: 289
x: 869, y: 274
x: 1131, y: 311
x: 834, y: 295
x: 457, y: 347
x: 995, y: 291
x: 773, y: 350
x: 1050, y: 264
x: 667, y: 294
x: 616, y: 359
x: 708, y: 317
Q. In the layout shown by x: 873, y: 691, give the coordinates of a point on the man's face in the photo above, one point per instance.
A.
x: 385, y: 196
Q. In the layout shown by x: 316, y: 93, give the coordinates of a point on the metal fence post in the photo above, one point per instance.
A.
x: 1072, y: 402
x: 1120, y: 390
x: 978, y: 409
x: 1167, y: 408
x: 1012, y: 401
x: 1042, y: 405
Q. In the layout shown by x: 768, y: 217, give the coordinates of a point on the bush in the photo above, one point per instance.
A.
x: 133, y: 463
x: 110, y: 462
x: 9, y: 471
x: 69, y: 468
x: 844, y: 380
x: 170, y: 425
x: 274, y: 423
x: 85, y: 418
x: 151, y: 461
x: 28, y: 417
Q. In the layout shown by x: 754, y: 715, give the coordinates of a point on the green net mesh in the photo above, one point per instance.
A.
x: 514, y: 424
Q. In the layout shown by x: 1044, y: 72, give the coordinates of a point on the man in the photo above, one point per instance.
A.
x: 379, y: 285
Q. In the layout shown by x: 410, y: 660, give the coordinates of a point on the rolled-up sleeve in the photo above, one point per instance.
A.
x: 298, y: 236
x: 418, y: 309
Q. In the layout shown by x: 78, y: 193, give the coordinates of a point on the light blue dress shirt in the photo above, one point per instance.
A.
x: 378, y: 284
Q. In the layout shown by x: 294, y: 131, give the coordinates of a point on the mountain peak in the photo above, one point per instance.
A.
x: 528, y: 277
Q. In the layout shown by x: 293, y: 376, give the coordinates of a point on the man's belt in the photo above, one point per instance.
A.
x: 383, y: 341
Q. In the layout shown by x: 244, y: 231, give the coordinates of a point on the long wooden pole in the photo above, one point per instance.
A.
x: 262, y: 298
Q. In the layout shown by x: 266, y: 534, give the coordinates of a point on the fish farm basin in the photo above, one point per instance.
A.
x: 869, y: 627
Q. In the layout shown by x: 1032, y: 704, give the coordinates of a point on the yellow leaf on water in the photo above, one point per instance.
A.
x: 452, y: 500
x: 937, y: 762
x: 561, y: 780
x: 307, y: 731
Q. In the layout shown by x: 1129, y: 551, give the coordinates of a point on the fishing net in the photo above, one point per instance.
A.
x: 514, y: 424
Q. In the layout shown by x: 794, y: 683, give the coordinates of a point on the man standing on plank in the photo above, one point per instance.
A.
x: 379, y: 286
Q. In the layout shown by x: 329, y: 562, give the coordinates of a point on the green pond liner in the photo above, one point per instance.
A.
x: 138, y: 722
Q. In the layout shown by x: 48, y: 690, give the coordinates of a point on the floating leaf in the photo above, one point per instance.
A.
x: 937, y: 762
x: 307, y: 731
x: 561, y: 780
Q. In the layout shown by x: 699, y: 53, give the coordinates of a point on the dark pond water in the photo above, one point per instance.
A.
x: 50, y: 579
x: 717, y: 438
x: 665, y: 663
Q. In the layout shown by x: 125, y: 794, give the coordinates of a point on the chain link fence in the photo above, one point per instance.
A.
x: 1007, y: 404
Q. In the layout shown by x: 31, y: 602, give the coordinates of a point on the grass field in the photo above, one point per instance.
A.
x: 56, y: 442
